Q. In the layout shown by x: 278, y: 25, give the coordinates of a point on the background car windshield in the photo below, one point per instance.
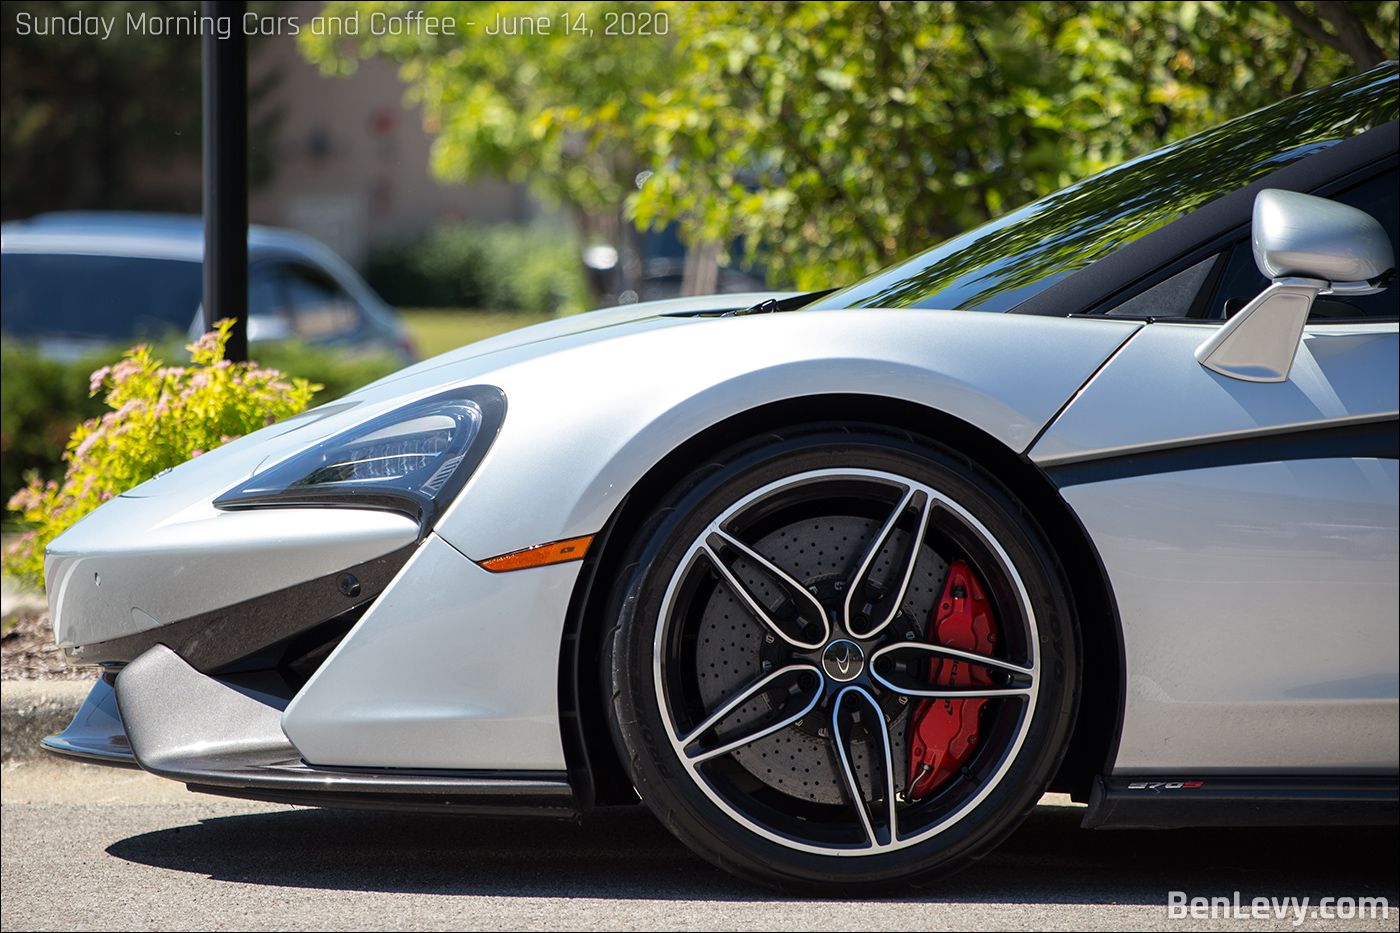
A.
x: 1004, y: 262
x: 97, y: 297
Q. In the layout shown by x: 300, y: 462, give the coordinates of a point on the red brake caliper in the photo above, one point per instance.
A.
x: 943, y: 732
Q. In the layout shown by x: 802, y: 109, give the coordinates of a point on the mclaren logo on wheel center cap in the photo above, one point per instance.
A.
x: 843, y: 660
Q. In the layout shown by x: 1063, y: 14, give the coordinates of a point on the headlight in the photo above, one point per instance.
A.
x: 414, y: 460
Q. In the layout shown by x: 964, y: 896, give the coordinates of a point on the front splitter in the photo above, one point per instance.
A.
x: 168, y: 718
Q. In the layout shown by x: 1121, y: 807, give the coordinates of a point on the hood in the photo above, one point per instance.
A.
x: 601, y: 319
x: 241, y: 457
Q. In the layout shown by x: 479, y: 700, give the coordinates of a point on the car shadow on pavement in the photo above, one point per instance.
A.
x: 626, y: 853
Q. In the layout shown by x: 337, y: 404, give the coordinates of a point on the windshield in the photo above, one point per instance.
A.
x: 110, y: 298
x: 1002, y: 263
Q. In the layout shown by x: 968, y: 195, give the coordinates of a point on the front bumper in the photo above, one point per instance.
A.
x: 226, y: 738
x: 450, y: 668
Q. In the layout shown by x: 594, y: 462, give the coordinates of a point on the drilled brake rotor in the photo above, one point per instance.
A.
x: 820, y: 553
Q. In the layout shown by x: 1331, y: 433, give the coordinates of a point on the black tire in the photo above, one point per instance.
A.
x: 751, y: 747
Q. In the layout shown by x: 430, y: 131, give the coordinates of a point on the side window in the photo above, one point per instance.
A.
x: 321, y: 310
x: 1241, y: 281
x: 268, y: 315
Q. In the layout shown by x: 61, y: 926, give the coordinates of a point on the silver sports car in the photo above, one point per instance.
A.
x: 1098, y: 498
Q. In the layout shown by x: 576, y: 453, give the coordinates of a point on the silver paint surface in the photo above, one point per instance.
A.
x: 1153, y: 394
x: 135, y: 564
x: 451, y: 667
x: 575, y: 441
x: 1259, y: 609
x: 1260, y: 342
x: 571, y: 446
x: 1296, y: 234
x: 189, y: 727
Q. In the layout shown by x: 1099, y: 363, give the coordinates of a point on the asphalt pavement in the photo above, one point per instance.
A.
x: 87, y: 847
x: 94, y: 849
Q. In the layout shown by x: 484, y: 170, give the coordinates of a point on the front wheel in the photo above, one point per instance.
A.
x: 843, y: 659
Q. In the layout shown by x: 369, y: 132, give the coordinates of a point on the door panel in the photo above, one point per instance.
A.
x: 1258, y: 593
x: 1259, y: 605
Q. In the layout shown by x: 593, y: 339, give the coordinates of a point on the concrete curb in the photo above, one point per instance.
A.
x: 33, y: 709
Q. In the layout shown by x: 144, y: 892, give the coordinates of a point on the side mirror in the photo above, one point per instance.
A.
x: 1308, y: 246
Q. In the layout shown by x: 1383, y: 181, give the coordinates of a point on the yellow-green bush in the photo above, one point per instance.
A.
x: 161, y: 416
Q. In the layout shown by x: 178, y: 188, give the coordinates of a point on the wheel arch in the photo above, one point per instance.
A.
x: 600, y: 777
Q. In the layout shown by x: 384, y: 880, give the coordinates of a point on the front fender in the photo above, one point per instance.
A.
x: 586, y: 423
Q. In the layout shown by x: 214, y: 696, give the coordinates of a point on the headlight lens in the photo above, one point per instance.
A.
x: 414, y: 460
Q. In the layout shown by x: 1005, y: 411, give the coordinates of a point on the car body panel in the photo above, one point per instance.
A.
x: 1155, y: 395
x: 101, y: 570
x: 1249, y: 596
x: 497, y: 708
x: 464, y: 665
x: 1005, y: 376
x: 1210, y: 564
x: 504, y: 714
x: 591, y: 321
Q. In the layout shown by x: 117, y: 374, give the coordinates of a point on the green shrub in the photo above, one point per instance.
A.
x: 41, y: 402
x: 161, y: 416
x: 495, y: 268
x: 337, y: 372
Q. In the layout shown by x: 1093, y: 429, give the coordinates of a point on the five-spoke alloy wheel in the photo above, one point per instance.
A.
x: 843, y: 658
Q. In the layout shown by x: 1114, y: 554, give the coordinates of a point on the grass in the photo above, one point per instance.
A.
x: 436, y: 330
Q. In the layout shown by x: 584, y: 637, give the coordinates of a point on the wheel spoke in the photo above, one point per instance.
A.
x: 798, y: 620
x: 907, y: 677
x: 868, y: 611
x: 798, y: 703
x: 880, y: 829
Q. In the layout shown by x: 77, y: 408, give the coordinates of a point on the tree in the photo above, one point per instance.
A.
x: 554, y: 105
x: 837, y: 138
x: 1352, y: 38
x: 832, y: 139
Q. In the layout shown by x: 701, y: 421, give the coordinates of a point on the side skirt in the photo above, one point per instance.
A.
x: 1176, y: 802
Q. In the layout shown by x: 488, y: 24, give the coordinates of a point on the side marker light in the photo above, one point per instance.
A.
x: 556, y: 552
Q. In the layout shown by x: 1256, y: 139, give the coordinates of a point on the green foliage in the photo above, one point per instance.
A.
x: 499, y: 268
x: 836, y: 138
x: 161, y: 416
x: 41, y: 402
x: 44, y: 400
x: 333, y: 371
x: 841, y: 137
x: 555, y: 110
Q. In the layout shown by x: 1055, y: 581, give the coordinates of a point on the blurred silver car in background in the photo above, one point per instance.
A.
x: 75, y: 282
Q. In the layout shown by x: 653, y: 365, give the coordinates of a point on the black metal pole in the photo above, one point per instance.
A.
x: 226, y: 171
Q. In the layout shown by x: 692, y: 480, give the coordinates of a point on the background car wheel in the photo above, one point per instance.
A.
x: 842, y: 658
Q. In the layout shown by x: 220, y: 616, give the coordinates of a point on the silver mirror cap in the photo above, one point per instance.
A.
x: 1301, y: 235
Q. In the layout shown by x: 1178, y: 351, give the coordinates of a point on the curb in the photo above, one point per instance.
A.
x: 33, y: 709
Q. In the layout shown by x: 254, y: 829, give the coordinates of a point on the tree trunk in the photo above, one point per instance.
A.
x: 701, y: 269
